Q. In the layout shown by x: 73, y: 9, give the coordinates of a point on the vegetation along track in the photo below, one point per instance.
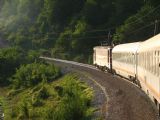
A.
x: 125, y: 101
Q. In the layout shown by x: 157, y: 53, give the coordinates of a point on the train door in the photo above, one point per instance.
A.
x: 110, y: 58
x: 136, y: 64
x: 108, y: 55
x: 94, y: 56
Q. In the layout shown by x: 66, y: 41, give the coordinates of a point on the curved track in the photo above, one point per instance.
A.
x: 125, y: 101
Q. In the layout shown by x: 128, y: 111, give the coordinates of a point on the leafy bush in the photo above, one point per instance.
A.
x: 32, y: 56
x: 74, y: 102
x: 65, y: 99
x: 32, y: 74
x: 10, y: 59
x: 43, y: 93
x: 23, y: 111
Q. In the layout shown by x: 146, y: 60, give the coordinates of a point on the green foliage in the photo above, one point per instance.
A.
x: 10, y: 59
x: 23, y: 110
x: 33, y: 74
x: 75, y: 101
x: 129, y: 33
x: 32, y: 56
x: 65, y: 99
x: 66, y: 27
x: 43, y: 93
x: 62, y: 25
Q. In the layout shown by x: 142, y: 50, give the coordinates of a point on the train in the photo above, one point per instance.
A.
x: 138, y: 62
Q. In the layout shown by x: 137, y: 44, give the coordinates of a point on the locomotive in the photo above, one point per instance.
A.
x: 138, y: 62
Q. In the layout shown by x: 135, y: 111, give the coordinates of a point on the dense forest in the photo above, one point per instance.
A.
x: 69, y: 29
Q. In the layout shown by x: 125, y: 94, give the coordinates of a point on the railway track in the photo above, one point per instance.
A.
x: 125, y: 101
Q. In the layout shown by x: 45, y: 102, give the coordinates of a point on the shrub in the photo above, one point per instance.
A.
x: 43, y: 93
x: 23, y: 110
x: 10, y: 59
x: 74, y: 102
x: 32, y: 74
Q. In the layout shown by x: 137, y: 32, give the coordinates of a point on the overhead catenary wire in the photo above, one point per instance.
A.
x: 152, y: 23
x: 99, y: 36
x: 105, y: 30
x: 144, y: 15
x: 100, y: 30
x: 85, y: 37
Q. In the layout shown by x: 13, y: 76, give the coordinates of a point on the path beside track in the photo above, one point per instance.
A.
x: 125, y: 101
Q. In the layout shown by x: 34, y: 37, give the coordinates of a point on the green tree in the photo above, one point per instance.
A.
x: 33, y: 74
x: 10, y: 59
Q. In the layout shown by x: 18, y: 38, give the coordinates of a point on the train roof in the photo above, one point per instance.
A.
x: 101, y: 47
x: 152, y: 43
x: 128, y: 47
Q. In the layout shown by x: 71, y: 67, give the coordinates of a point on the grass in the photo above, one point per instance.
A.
x: 64, y: 99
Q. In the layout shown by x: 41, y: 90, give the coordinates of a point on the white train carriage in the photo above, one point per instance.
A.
x: 124, y: 60
x: 148, y: 69
x: 102, y: 57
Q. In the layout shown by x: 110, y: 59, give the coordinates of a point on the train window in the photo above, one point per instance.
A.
x: 139, y: 58
x: 152, y: 61
x: 158, y: 63
x: 148, y: 58
x: 147, y: 65
x: 155, y: 63
x: 147, y: 61
x: 143, y: 59
x: 127, y: 58
x: 150, y: 55
x: 131, y: 58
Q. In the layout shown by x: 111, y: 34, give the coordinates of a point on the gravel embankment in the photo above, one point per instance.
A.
x: 125, y: 101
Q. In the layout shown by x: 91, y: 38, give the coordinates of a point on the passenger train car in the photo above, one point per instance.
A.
x: 125, y: 60
x: 139, y: 62
x: 148, y: 67
x: 102, y: 57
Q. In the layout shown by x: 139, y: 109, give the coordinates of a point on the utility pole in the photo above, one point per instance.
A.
x: 109, y: 37
x: 155, y: 27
